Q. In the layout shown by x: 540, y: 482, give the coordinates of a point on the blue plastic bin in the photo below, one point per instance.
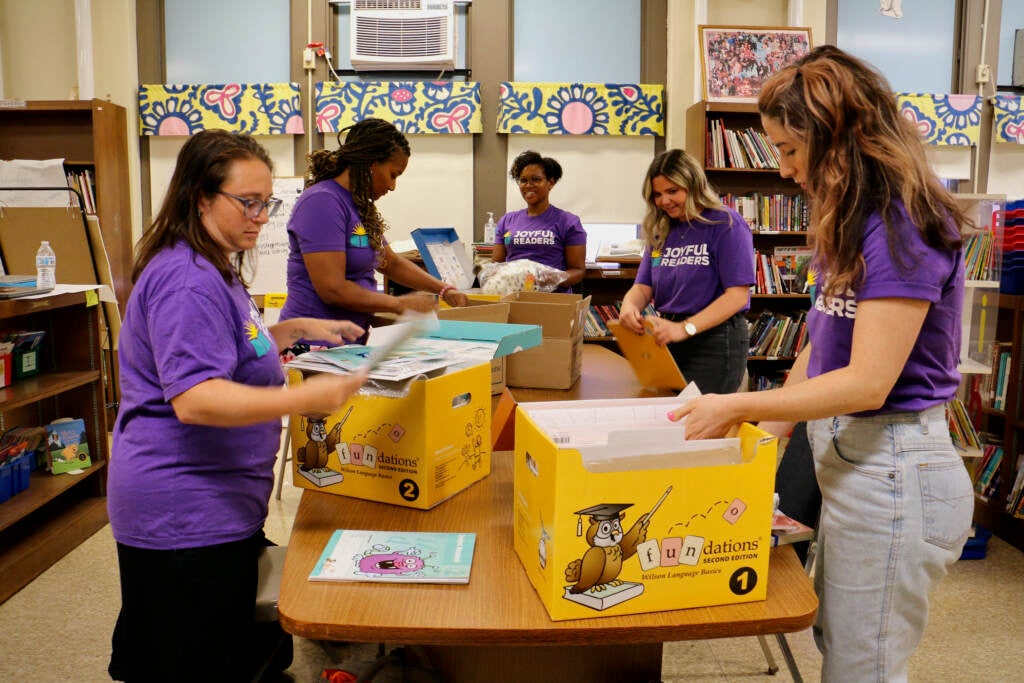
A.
x: 976, y: 545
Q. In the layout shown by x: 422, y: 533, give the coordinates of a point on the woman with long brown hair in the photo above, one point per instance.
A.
x: 881, y: 363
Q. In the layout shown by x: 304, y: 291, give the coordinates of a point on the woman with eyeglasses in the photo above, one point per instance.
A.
x: 541, y: 232
x: 336, y: 234
x: 198, y: 429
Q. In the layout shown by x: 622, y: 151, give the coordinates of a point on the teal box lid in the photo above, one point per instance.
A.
x: 508, y: 337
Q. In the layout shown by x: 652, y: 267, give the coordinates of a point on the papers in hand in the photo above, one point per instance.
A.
x: 393, y: 352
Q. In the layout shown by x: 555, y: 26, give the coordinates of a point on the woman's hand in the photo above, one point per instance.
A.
x: 707, y: 417
x: 454, y: 297
x: 325, y: 392
x: 416, y: 301
x: 666, y: 331
x: 630, y: 318
x: 334, y: 331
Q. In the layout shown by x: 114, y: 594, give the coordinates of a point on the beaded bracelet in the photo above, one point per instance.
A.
x: 444, y: 290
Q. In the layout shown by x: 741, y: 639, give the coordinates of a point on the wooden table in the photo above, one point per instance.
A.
x: 495, y: 628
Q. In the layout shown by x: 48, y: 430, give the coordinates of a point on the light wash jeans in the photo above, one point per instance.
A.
x: 896, y: 510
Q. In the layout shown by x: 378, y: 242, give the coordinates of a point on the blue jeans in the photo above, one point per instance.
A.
x: 715, y: 360
x: 896, y: 510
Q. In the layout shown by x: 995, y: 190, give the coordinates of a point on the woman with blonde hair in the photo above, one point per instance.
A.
x: 697, y: 268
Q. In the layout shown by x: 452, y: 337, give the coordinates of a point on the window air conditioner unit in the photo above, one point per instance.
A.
x: 403, y: 35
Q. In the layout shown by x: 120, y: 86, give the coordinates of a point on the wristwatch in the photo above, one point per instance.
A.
x: 691, y: 329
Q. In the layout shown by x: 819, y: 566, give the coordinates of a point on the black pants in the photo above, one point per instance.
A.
x: 715, y: 360
x: 187, y: 615
x: 797, y: 485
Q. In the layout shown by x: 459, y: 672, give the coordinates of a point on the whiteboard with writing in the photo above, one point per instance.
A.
x: 272, y: 247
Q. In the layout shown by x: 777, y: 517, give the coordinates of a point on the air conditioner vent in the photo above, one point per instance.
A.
x: 403, y: 34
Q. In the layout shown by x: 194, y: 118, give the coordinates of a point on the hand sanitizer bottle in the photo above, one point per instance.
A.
x: 489, y: 228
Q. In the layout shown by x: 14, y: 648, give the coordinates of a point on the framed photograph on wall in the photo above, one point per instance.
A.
x: 736, y: 60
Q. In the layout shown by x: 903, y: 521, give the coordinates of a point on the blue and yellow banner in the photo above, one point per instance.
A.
x: 415, y: 107
x: 254, y: 108
x: 951, y: 120
x: 1008, y: 125
x: 581, y: 109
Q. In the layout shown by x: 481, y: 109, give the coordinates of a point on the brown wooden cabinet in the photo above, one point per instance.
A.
x: 87, y: 134
x: 55, y: 513
x: 1007, y: 423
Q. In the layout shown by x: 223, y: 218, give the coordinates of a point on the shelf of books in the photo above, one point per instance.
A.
x: 742, y: 165
x: 992, y: 402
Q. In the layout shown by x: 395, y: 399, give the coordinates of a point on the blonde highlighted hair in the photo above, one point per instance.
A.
x: 681, y: 168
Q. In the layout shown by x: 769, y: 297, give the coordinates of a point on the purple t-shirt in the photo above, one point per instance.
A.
x: 172, y: 485
x: 325, y: 219
x: 698, y: 262
x: 540, y: 238
x: 930, y: 376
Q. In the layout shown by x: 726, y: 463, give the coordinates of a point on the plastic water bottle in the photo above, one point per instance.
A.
x: 489, y: 228
x: 46, y: 266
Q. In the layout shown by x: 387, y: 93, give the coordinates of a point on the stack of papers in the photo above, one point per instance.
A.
x: 415, y: 357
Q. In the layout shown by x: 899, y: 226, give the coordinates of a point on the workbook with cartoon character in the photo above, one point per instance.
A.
x: 396, y: 557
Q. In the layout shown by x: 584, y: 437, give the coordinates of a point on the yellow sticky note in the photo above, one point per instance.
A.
x: 274, y: 300
x: 92, y: 297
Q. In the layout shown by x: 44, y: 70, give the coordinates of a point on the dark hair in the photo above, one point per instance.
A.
x: 552, y: 169
x: 367, y: 142
x: 682, y: 169
x: 203, y: 165
x: 862, y: 156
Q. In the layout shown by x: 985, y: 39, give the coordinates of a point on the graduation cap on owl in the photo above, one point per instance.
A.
x: 600, y: 513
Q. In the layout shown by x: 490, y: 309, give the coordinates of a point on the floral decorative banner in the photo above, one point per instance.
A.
x: 445, y: 107
x: 1009, y: 119
x: 952, y: 120
x: 254, y: 108
x: 581, y: 109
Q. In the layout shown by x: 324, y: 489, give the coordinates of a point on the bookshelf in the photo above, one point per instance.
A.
x: 771, y: 204
x: 41, y: 524
x: 90, y: 135
x: 1008, y: 424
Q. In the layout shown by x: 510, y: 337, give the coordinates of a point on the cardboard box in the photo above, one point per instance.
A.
x: 416, y: 450
x: 695, y: 521
x: 481, y: 311
x: 556, y: 364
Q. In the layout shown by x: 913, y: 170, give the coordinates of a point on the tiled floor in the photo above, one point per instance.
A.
x: 58, y: 628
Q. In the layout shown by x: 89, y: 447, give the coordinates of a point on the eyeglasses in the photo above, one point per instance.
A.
x: 532, y: 180
x: 252, y: 208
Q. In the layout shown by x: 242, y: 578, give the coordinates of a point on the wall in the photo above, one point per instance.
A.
x: 37, y: 42
x: 38, y: 48
x: 683, y: 82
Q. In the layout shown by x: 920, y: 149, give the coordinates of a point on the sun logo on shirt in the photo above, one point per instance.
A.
x: 259, y: 341
x: 359, y: 238
x: 655, y: 258
x: 507, y: 239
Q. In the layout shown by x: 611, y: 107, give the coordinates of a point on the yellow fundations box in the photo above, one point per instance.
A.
x: 616, y: 514
x: 416, y: 451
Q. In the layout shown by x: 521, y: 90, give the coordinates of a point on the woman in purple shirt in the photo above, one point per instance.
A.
x: 336, y: 234
x: 199, y: 426
x: 541, y: 232
x: 881, y: 363
x: 697, y: 268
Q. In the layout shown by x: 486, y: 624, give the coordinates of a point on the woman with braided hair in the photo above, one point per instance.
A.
x: 336, y: 234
